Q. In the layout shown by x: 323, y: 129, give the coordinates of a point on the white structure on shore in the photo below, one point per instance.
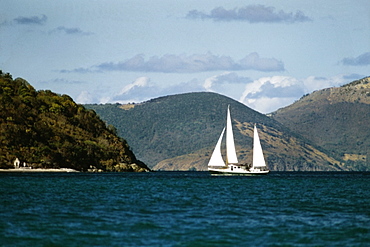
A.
x: 16, y: 163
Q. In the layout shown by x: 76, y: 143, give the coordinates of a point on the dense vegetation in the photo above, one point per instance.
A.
x: 47, y: 130
x: 336, y: 119
x: 178, y: 132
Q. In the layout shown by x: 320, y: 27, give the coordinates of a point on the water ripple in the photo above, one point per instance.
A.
x: 185, y: 209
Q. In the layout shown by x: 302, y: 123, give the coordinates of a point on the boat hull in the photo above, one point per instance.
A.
x: 236, y: 170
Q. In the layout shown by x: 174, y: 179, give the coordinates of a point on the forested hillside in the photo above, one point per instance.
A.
x: 179, y: 132
x: 337, y: 119
x: 47, y: 130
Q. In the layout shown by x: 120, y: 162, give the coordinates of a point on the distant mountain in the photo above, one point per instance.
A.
x: 47, y: 130
x: 179, y: 132
x: 337, y: 119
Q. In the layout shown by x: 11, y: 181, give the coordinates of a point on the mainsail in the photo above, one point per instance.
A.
x: 258, y: 159
x: 230, y: 146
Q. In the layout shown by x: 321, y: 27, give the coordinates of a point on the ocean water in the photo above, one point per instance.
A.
x: 184, y: 209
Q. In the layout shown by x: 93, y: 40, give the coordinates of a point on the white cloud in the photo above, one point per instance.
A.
x: 139, y: 82
x: 267, y: 105
x: 268, y: 94
x: 85, y: 98
x: 265, y: 94
x: 104, y: 100
x: 208, y: 83
x: 269, y: 86
x: 136, y: 91
x: 195, y: 63
x: 313, y: 83
x: 222, y: 79
x: 229, y: 84
x: 143, y: 89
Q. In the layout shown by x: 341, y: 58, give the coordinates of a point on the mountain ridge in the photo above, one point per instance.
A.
x: 336, y: 119
x: 180, y: 131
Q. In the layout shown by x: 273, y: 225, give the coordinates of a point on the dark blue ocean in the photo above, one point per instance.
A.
x: 184, y: 209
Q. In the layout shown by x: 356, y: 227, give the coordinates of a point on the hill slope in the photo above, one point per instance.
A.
x: 179, y: 132
x: 46, y: 130
x: 336, y: 119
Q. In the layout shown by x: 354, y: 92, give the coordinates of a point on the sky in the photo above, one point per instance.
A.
x: 265, y: 54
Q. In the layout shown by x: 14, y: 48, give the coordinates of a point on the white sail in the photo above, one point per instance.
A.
x: 258, y: 159
x: 216, y: 158
x: 230, y: 146
x: 216, y: 164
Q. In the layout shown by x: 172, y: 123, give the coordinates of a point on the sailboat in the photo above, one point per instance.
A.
x: 216, y: 164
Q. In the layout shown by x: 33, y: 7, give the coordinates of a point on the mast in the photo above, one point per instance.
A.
x: 258, y: 159
x: 216, y: 158
x: 230, y: 146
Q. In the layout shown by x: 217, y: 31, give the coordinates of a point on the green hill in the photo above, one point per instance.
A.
x: 46, y: 130
x: 337, y: 119
x: 178, y: 132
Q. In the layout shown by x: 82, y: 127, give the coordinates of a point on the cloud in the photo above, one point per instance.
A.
x: 70, y: 31
x: 143, y: 89
x: 211, y: 83
x: 86, y: 98
x: 187, y: 64
x: 77, y: 70
x: 31, y: 20
x: 270, y: 93
x: 276, y: 86
x: 5, y: 23
x: 137, y: 91
x: 193, y: 85
x: 64, y: 81
x: 313, y: 83
x: 361, y: 60
x: 267, y: 94
x: 139, y: 82
x: 264, y: 95
x: 353, y: 77
x: 255, y: 62
x: 251, y: 14
x: 227, y: 83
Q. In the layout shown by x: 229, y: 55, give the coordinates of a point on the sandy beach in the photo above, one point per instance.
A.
x: 39, y: 170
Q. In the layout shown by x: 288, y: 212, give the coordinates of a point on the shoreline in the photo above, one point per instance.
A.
x: 39, y: 170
